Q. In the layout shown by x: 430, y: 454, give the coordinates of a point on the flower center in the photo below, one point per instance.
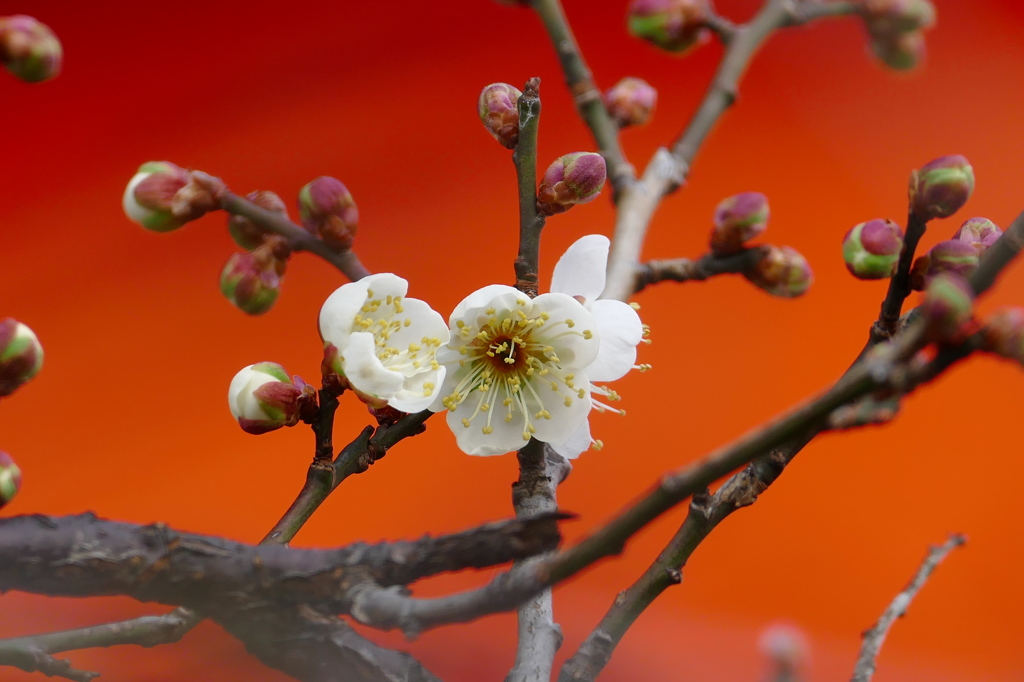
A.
x: 507, y: 363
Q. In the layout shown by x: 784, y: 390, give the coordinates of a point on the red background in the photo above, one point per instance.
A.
x: 128, y: 417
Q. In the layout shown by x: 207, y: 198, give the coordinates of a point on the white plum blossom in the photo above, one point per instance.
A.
x: 516, y: 369
x: 580, y: 273
x: 384, y: 343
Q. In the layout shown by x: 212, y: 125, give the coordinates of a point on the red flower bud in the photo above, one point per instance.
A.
x: 29, y: 49
x: 1004, y: 333
x: 947, y: 307
x: 980, y: 233
x: 252, y: 280
x: 782, y: 272
x: 10, y: 479
x: 328, y: 211
x: 872, y: 249
x: 572, y: 179
x: 738, y: 219
x: 248, y: 234
x: 631, y: 102
x: 499, y: 112
x: 941, y: 187
x: 672, y: 25
x: 21, y: 355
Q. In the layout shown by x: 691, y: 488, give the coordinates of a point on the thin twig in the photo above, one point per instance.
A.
x: 667, y: 169
x: 585, y: 93
x: 875, y: 637
x: 525, y: 158
x: 541, y: 470
x: 298, y: 238
x: 705, y: 267
x: 899, y: 283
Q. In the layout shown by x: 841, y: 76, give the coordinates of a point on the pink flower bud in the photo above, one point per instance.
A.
x: 499, y: 112
x: 328, y: 211
x: 263, y: 398
x: 29, y: 49
x: 572, y: 179
x: 150, y: 193
x: 980, y: 233
x: 782, y: 272
x: 21, y: 355
x: 872, y: 249
x: 890, y: 17
x: 1004, y: 333
x: 951, y: 255
x: 900, y: 51
x: 10, y: 479
x: 248, y: 234
x: 252, y: 280
x: 738, y: 219
x: 631, y: 102
x: 941, y: 187
x: 672, y: 25
x: 947, y: 307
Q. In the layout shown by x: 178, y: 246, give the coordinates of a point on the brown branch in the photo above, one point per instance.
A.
x: 82, y: 556
x: 586, y: 95
x: 531, y: 222
x: 875, y: 637
x: 541, y: 470
x: 686, y: 270
x: 298, y: 238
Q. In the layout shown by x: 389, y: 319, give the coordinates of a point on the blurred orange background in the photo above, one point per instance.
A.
x: 128, y: 417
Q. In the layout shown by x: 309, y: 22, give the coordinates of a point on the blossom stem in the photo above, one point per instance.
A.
x: 705, y: 267
x: 525, y: 158
x: 587, y: 97
x: 298, y: 238
x: 899, y: 283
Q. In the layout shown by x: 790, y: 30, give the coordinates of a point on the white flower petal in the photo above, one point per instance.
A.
x: 424, y: 323
x: 567, y: 329
x: 418, y: 392
x: 567, y: 409
x: 132, y: 208
x: 505, y: 436
x: 364, y: 369
x: 241, y: 401
x: 481, y: 298
x: 581, y: 269
x: 620, y: 330
x: 578, y: 443
x: 339, y: 311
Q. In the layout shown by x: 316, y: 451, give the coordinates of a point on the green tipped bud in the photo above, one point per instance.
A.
x: 21, y: 355
x: 782, y: 272
x: 10, y: 479
x: 952, y: 255
x: 248, y: 234
x: 150, y: 193
x: 872, y: 249
x: 572, y: 179
x: 252, y: 280
x: 262, y: 397
x: 900, y: 51
x: 499, y: 112
x: 980, y: 233
x: 891, y: 17
x: 631, y: 102
x: 738, y: 219
x: 672, y: 25
x: 1004, y: 333
x: 329, y: 212
x: 941, y: 187
x: 947, y: 307
x: 29, y: 49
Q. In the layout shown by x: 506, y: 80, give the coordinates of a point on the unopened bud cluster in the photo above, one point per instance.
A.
x: 631, y: 102
x: 262, y: 397
x: 959, y: 255
x: 872, y: 249
x: 29, y: 49
x: 499, y: 112
x: 896, y: 29
x: 672, y: 25
x: 21, y: 355
x: 941, y: 187
x: 572, y: 179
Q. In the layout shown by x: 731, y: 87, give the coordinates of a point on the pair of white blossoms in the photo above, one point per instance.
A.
x: 507, y: 368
